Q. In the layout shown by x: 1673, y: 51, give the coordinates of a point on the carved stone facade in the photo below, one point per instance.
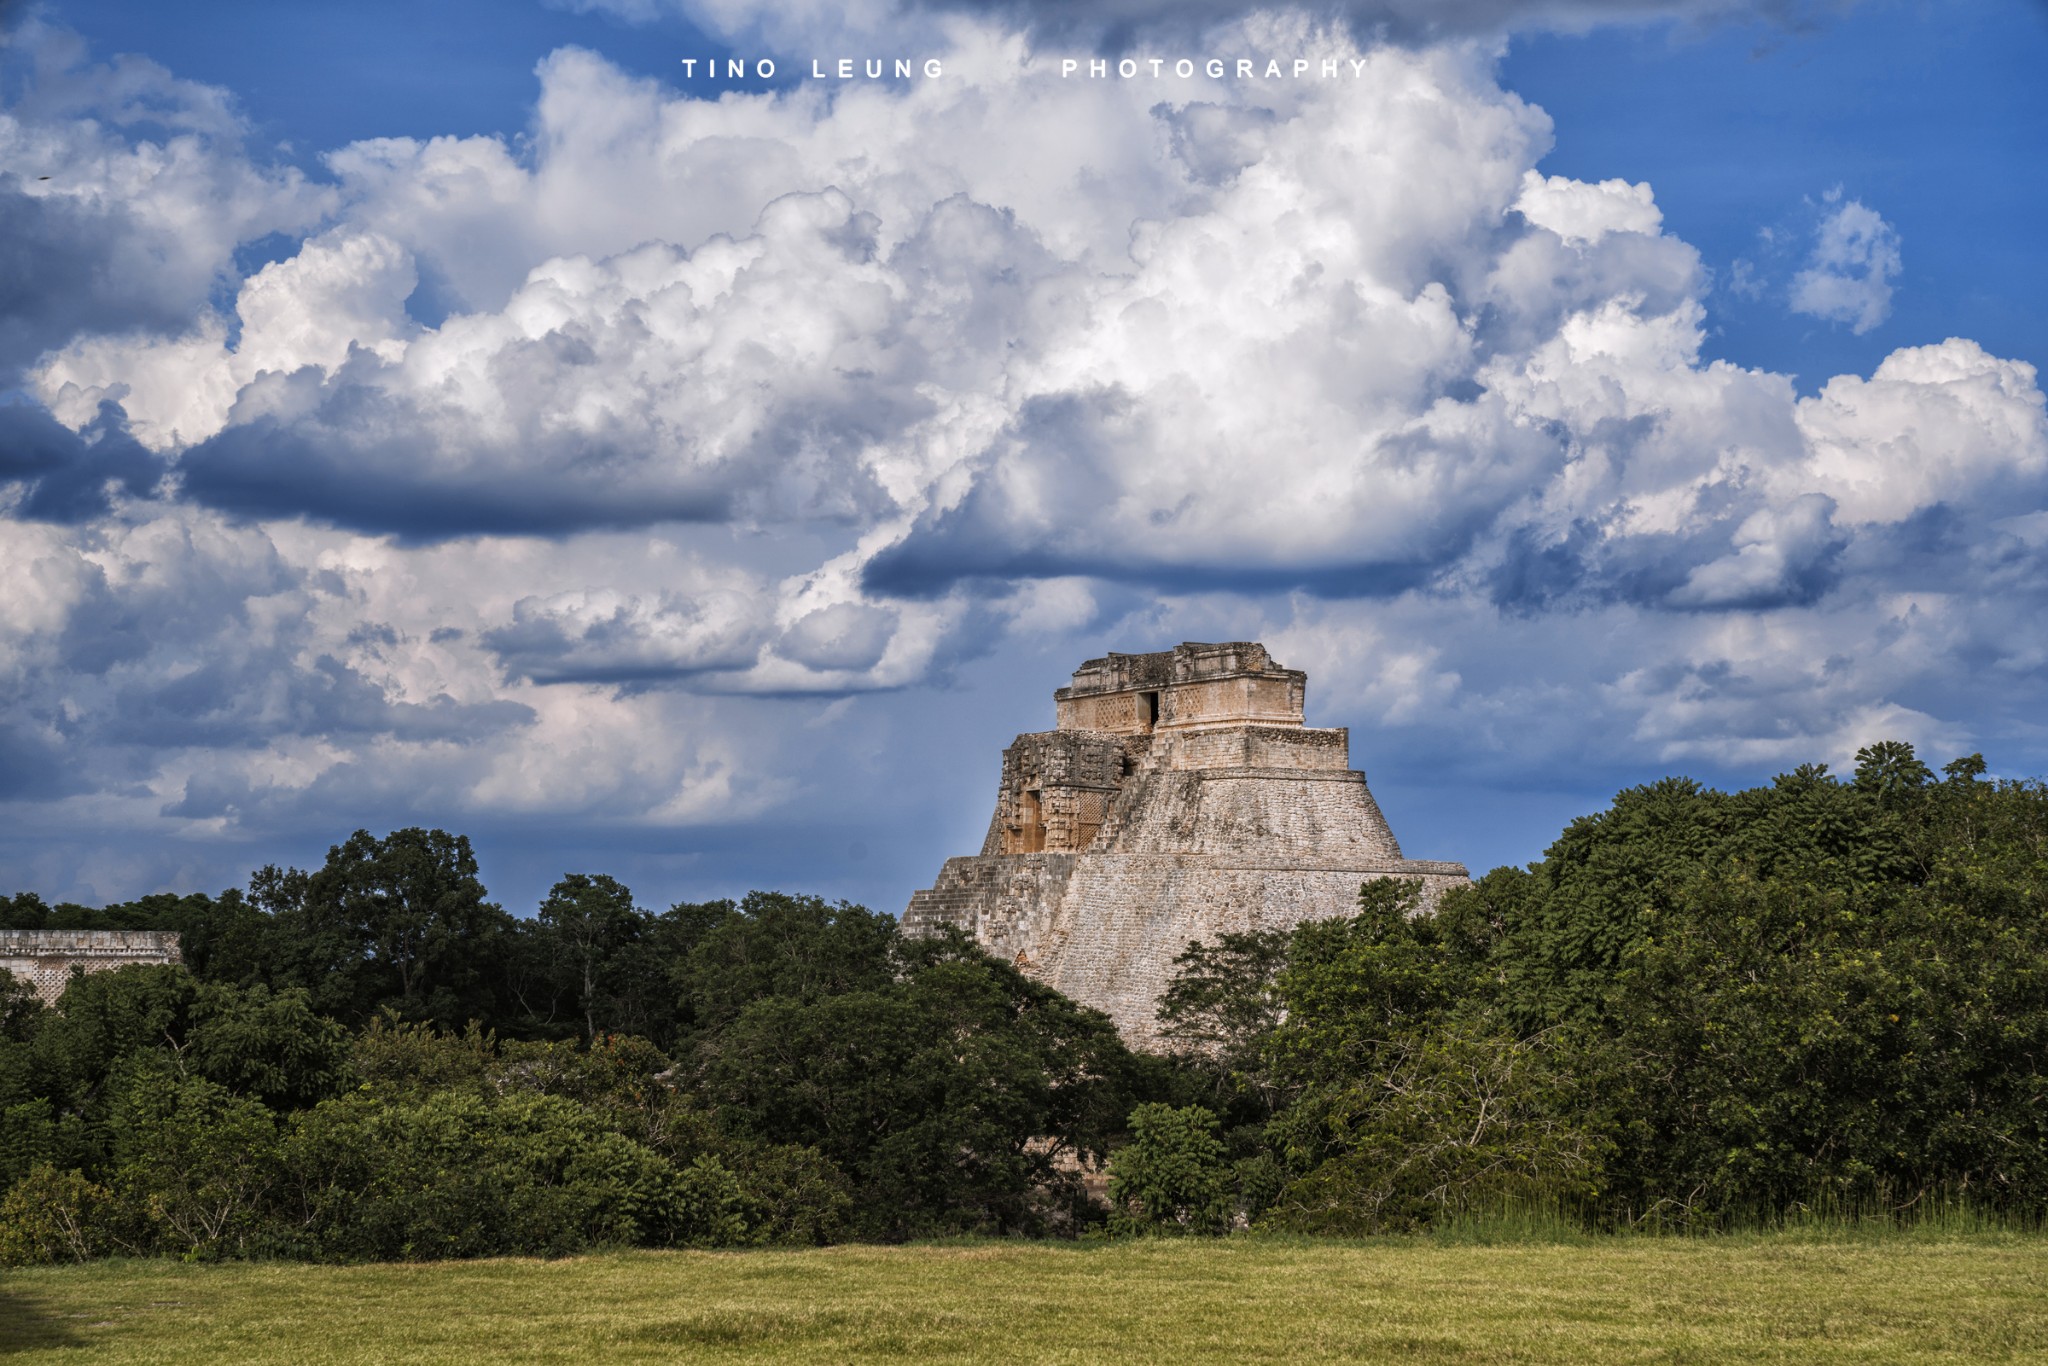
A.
x: 44, y: 958
x: 1181, y: 797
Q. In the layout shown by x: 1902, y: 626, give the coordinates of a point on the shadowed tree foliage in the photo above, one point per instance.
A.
x: 59, y: 1086
x: 1408, y: 1106
x: 793, y: 948
x: 587, y: 964
x: 400, y: 922
x: 1221, y: 1007
x: 1812, y: 991
x: 21, y: 1010
x: 952, y: 1090
x: 1699, y: 1009
x: 830, y: 1077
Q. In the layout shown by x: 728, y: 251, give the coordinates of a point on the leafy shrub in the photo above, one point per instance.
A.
x: 794, y: 1196
x: 1441, y: 1122
x: 199, y: 1160
x: 462, y: 1174
x: 1171, y: 1177
x: 52, y: 1215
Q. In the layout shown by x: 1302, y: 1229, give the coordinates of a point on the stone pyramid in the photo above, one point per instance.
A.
x: 1180, y: 797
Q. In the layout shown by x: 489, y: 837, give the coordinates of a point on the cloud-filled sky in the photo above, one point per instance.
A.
x: 459, y: 415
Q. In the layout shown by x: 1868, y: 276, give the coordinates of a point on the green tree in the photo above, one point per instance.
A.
x: 1859, y: 1046
x: 1221, y: 1008
x: 1813, y: 990
x: 593, y: 939
x: 1450, y: 1119
x: 58, y: 1086
x: 21, y: 1010
x: 799, y: 948
x: 1352, y: 983
x: 954, y: 1092
x: 1411, y: 1099
x: 227, y: 938
x: 1171, y: 1177
x: 271, y: 1046
x: 401, y: 921
x: 197, y: 1158
x: 23, y: 911
x: 1890, y: 770
x: 458, y: 1173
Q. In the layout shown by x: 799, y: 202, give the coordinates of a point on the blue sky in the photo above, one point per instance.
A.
x: 449, y: 415
x: 1929, y: 110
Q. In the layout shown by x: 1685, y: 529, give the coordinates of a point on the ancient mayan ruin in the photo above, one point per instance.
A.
x: 44, y: 958
x: 1181, y: 796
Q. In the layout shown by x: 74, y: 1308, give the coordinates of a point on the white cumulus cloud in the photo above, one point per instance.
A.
x: 1848, y: 276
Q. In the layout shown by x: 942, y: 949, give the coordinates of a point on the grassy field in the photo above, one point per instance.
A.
x: 1969, y: 1299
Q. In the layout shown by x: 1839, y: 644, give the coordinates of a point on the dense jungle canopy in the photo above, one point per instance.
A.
x: 1700, y: 1009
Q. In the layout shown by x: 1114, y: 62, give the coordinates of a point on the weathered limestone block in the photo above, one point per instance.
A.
x: 44, y: 958
x: 1181, y: 797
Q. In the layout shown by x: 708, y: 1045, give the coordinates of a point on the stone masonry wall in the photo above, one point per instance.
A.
x: 1055, y: 791
x: 44, y: 958
x: 1253, y: 747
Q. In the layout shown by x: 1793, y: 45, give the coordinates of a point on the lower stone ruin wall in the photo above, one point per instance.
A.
x: 1006, y: 901
x: 1125, y: 919
x: 44, y: 958
x: 1104, y: 928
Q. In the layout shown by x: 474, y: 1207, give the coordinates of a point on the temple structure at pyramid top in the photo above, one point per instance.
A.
x: 1180, y: 796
